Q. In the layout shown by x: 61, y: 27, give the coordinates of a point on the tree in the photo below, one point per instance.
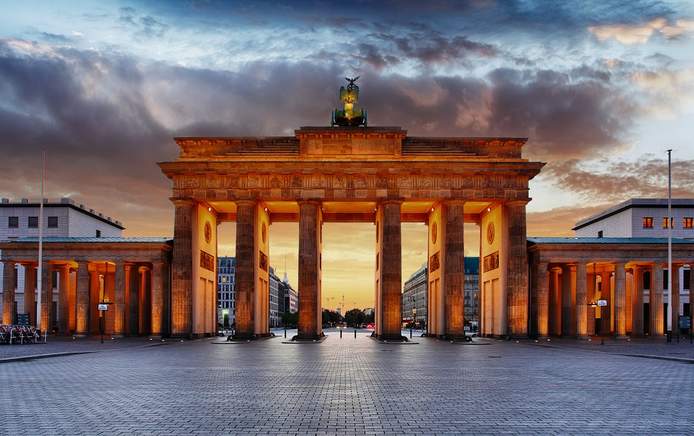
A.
x: 331, y: 317
x: 355, y: 318
x: 290, y: 319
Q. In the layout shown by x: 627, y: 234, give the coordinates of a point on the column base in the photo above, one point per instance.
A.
x: 390, y: 338
x: 622, y: 337
x: 309, y: 338
x: 154, y: 337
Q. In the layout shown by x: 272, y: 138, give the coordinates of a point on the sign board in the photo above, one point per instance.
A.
x: 685, y: 323
x: 23, y: 319
x: 602, y: 303
x: 103, y: 307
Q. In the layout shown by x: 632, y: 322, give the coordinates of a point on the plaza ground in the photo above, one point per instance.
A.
x: 348, y: 386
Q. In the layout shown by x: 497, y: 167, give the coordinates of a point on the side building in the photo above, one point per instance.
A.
x: 415, y: 295
x: 63, y: 218
x: 226, y: 269
x: 281, y: 295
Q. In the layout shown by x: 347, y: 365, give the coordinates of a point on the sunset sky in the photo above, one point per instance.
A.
x: 600, y: 89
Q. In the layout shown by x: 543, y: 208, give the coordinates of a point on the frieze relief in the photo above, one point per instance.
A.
x: 490, y: 186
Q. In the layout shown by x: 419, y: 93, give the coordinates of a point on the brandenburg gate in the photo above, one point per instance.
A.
x: 351, y: 173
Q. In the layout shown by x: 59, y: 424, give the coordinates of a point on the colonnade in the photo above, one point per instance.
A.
x: 446, y: 256
x: 133, y: 291
x: 620, y: 298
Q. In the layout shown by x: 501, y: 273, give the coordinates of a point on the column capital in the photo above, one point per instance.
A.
x: 182, y: 201
x: 313, y: 202
x: 453, y: 202
x: 516, y: 203
x: 245, y: 202
x: 390, y: 201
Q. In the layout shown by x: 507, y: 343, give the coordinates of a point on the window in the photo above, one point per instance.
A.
x: 33, y: 222
x: 52, y: 222
x: 688, y: 222
x: 665, y: 222
x: 665, y: 279
x: 648, y: 222
x: 686, y: 279
x: 600, y: 234
x: 646, y: 280
x: 13, y: 222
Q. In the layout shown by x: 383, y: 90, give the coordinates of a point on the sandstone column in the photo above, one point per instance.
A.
x: 244, y: 286
x: 30, y: 292
x: 110, y: 296
x: 8, y: 291
x: 542, y: 299
x: 590, y: 310
x: 63, y: 300
x: 581, y: 300
x: 118, y: 305
x: 182, y: 263
x: 128, y: 303
x: 391, y: 275
x: 46, y: 297
x: 568, y: 313
x: 620, y: 308
x: 606, y: 290
x: 142, y: 325
x: 637, y: 303
x: 517, y: 269
x: 453, y: 267
x: 157, y: 299
x: 675, y: 292
x: 82, y: 299
x: 656, y: 301
x: 310, y: 326
x: 94, y: 298
x: 555, y: 302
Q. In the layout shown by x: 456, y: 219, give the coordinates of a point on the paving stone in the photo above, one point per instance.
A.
x: 347, y: 387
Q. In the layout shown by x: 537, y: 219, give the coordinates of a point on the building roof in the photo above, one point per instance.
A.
x: 594, y: 240
x: 84, y: 239
x: 635, y: 203
x: 63, y: 202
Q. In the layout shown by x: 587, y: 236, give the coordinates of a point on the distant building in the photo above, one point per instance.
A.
x: 289, y: 299
x: 640, y: 218
x: 415, y: 295
x: 282, y: 295
x: 62, y: 218
x: 226, y: 271
x: 274, y: 284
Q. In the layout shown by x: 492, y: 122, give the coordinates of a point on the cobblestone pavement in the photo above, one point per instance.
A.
x: 67, y: 345
x: 347, y: 386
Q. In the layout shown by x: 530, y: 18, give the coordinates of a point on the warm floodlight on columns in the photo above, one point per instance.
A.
x: 310, y: 316
x: 182, y: 265
x: 388, y: 271
x: 252, y: 264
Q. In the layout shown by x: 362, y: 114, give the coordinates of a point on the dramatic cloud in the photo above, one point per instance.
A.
x: 641, y: 33
x: 645, y: 177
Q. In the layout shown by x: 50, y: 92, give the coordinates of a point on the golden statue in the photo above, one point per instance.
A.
x: 351, y: 115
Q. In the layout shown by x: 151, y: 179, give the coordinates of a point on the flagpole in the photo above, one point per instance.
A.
x: 669, y: 245
x: 39, y: 270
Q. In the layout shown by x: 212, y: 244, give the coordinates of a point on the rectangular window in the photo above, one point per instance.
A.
x: 13, y: 222
x: 665, y: 222
x: 600, y: 234
x: 688, y: 222
x: 52, y: 222
x: 648, y: 222
x: 33, y: 222
x: 98, y: 233
x: 665, y: 277
x: 686, y: 279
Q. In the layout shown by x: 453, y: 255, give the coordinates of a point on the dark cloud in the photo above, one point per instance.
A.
x: 108, y: 118
x: 643, y: 177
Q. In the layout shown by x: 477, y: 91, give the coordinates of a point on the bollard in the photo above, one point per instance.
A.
x: 285, y: 332
x: 355, y: 333
x: 340, y: 333
x: 410, y: 332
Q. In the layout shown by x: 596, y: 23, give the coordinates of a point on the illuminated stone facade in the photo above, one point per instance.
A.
x: 342, y: 174
x: 582, y: 287
x: 130, y: 275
